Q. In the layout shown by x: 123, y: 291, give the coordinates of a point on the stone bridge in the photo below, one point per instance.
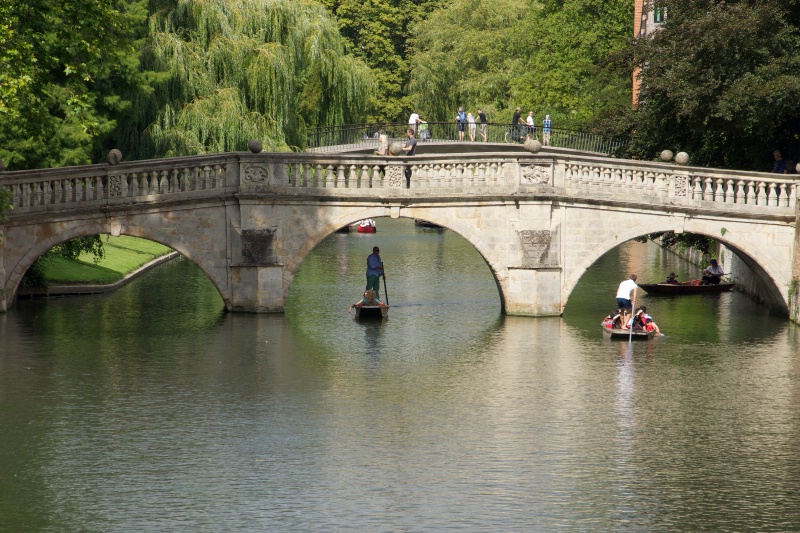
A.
x: 539, y: 220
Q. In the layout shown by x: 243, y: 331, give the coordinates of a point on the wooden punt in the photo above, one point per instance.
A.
x: 372, y: 311
x: 625, y: 334
x: 686, y: 287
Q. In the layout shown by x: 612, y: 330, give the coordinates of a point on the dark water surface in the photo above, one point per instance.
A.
x: 152, y: 409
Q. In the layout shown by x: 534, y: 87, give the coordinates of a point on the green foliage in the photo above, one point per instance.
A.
x: 682, y: 241
x: 721, y: 82
x: 73, y: 248
x: 36, y: 275
x: 67, y: 70
x: 227, y: 71
x: 548, y: 57
x: 378, y: 32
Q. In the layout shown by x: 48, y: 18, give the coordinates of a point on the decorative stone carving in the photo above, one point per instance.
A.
x: 114, y: 186
x: 395, y: 178
x: 536, y: 245
x: 681, y: 186
x: 255, y: 177
x: 535, y: 175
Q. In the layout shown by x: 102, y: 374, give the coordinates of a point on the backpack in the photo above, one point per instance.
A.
x: 462, y: 117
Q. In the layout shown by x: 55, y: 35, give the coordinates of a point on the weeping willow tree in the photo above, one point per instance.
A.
x: 227, y: 71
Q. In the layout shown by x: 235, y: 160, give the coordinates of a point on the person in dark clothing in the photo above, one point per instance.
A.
x: 410, y: 148
x: 779, y: 166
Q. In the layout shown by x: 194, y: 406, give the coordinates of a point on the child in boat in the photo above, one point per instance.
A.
x: 370, y: 298
x: 613, y: 320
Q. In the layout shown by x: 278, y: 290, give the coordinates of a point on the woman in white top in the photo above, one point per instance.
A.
x: 471, y: 124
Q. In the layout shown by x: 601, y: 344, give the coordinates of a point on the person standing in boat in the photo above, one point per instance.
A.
x: 712, y: 273
x: 374, y: 270
x: 626, y: 295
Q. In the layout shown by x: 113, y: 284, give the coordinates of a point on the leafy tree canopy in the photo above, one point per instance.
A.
x: 228, y: 71
x: 721, y: 81
x: 67, y: 70
x: 378, y: 32
x: 545, y: 56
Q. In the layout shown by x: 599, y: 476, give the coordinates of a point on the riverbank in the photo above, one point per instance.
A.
x: 125, y: 258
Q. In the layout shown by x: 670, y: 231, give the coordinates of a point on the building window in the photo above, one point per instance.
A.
x: 658, y: 15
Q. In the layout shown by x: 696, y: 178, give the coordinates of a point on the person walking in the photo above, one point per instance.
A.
x: 484, y: 124
x: 471, y: 127
x: 461, y: 123
x: 529, y: 122
x: 546, y: 124
x: 374, y: 270
x: 410, y: 148
x: 413, y: 120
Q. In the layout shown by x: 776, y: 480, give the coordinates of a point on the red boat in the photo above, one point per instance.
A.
x: 365, y: 226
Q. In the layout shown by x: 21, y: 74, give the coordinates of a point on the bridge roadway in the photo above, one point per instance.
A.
x: 539, y: 220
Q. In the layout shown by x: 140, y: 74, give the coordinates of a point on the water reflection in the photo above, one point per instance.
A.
x: 163, y: 412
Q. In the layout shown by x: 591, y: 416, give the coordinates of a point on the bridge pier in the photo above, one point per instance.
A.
x: 256, y: 289
x: 533, y: 292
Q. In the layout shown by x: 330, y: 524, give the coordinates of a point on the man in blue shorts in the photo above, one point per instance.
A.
x: 626, y: 295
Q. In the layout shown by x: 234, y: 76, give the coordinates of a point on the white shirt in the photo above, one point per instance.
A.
x: 715, y: 270
x: 413, y: 119
x: 626, y: 288
x: 530, y: 120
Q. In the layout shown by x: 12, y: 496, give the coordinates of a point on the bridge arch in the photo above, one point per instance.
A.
x: 466, y: 230
x: 737, y: 237
x: 47, y: 239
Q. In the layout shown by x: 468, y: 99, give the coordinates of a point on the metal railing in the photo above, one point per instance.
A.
x: 353, y: 136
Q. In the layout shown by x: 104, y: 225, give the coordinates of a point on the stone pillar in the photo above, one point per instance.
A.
x: 533, y: 292
x: 256, y: 289
x: 794, y: 285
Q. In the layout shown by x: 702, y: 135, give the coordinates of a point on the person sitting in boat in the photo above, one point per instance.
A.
x: 370, y: 299
x: 712, y: 273
x: 672, y: 279
x: 367, y: 222
x: 613, y: 320
x: 644, y: 322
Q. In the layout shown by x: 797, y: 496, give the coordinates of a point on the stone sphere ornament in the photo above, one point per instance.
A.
x: 682, y: 158
x: 667, y: 155
x: 533, y: 145
x: 255, y: 146
x: 396, y: 148
x: 114, y: 157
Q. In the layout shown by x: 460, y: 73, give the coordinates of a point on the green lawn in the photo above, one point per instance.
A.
x: 123, y: 255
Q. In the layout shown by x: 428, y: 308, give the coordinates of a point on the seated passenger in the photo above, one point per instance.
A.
x: 672, y: 279
x: 649, y: 324
x: 370, y: 299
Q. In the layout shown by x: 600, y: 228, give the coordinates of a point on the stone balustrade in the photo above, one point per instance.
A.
x: 452, y: 175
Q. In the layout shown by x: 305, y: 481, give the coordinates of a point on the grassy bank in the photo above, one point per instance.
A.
x: 123, y: 255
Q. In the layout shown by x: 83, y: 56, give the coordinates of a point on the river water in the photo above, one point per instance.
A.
x: 152, y: 409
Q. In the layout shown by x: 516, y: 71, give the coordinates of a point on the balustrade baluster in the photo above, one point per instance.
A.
x: 352, y: 177
x: 317, y: 179
x: 47, y: 197
x: 340, y: 179
x: 363, y: 179
x: 58, y: 193
x: 134, y: 188
x: 773, y: 194
x: 328, y: 179
x: 153, y: 187
x: 729, y: 191
x: 376, y: 181
x: 761, y: 196
x: 741, y: 192
x: 708, y: 189
x: 719, y: 193
x: 784, y: 199
x: 793, y: 196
